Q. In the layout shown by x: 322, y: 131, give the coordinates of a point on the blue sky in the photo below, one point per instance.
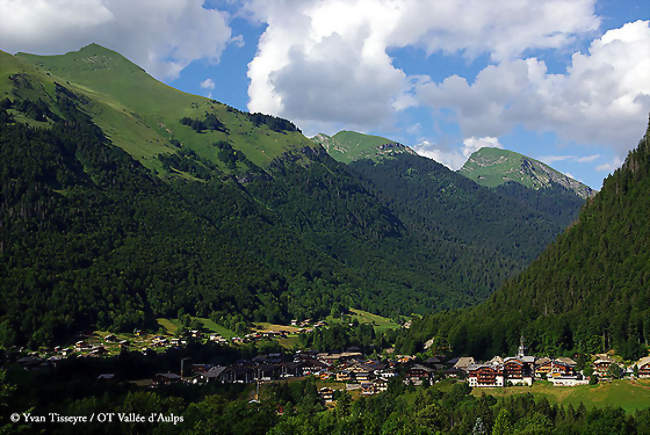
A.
x: 567, y: 81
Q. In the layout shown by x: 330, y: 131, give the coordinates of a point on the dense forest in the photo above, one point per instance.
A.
x: 432, y: 200
x: 588, y: 292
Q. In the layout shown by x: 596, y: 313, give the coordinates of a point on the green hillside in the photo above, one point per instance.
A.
x: 143, y: 116
x: 494, y: 167
x: 588, y: 292
x: 350, y: 146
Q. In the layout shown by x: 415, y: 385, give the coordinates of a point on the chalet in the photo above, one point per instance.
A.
x: 486, y: 375
x: 418, y: 374
x: 343, y: 376
x: 495, y: 360
x: 361, y: 375
x: 517, y: 371
x: 110, y: 338
x: 601, y: 365
x: 560, y: 368
x: 643, y: 366
x: 326, y: 394
x: 381, y: 385
x: 464, y: 363
x: 368, y: 388
x: 165, y: 378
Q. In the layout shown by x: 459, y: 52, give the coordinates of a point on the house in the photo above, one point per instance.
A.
x: 165, y: 378
x: 381, y: 385
x: 644, y: 367
x: 561, y: 368
x: 343, y: 376
x: 214, y: 374
x: 464, y: 362
x: 419, y: 371
x: 367, y: 388
x: 486, y: 375
x: 601, y: 365
x: 326, y: 394
x: 518, y: 371
x: 543, y: 367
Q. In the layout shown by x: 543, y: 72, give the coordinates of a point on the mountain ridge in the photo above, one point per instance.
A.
x: 348, y: 146
x: 492, y: 167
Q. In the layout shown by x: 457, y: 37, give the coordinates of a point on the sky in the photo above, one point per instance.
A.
x: 563, y: 81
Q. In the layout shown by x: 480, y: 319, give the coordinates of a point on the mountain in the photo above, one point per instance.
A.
x: 349, y: 146
x: 494, y: 167
x: 435, y: 202
x: 588, y: 292
x: 124, y: 200
x: 145, y: 117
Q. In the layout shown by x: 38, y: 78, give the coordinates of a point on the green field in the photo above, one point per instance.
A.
x: 172, y: 325
x: 630, y: 396
x: 380, y: 323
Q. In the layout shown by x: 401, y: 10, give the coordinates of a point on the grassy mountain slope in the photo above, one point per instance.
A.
x: 588, y: 292
x: 493, y: 167
x: 349, y: 146
x: 142, y: 115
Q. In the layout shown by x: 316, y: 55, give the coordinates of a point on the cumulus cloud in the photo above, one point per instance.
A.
x: 451, y: 157
x: 328, y: 61
x: 161, y: 36
x: 207, y: 84
x: 603, y: 98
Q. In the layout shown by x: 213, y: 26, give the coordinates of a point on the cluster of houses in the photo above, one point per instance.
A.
x: 523, y: 369
x: 368, y: 376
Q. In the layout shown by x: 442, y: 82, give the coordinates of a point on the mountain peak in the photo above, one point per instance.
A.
x: 349, y: 146
x: 492, y: 167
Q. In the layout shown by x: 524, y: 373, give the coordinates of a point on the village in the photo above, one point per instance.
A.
x: 347, y: 370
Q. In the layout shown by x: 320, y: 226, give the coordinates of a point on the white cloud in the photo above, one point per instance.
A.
x: 328, y: 62
x: 448, y: 157
x: 610, y: 166
x: 588, y: 159
x: 161, y: 36
x: 552, y: 159
x: 238, y: 41
x: 603, y: 98
x: 454, y: 158
x: 207, y: 83
x: 472, y: 144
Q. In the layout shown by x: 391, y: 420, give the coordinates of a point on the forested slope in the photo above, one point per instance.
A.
x: 588, y: 292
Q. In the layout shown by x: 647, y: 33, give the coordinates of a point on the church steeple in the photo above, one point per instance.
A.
x: 522, y: 346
